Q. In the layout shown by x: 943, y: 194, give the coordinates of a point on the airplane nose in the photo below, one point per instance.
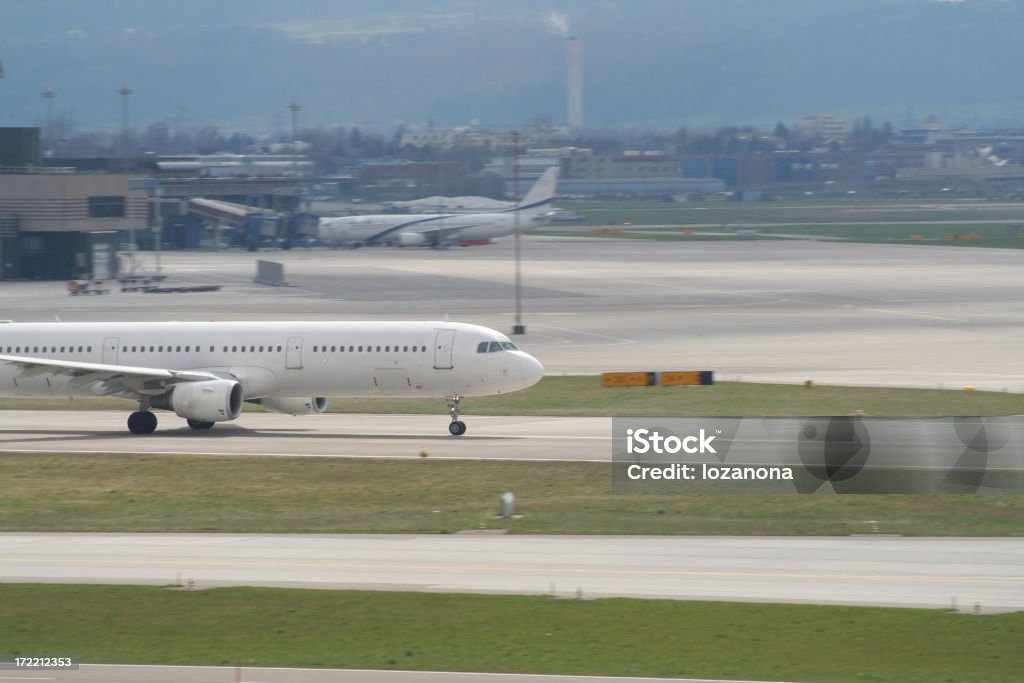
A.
x: 530, y: 370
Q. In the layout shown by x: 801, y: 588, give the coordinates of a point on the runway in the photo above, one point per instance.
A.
x: 883, y: 571
x: 922, y: 451
x: 335, y: 435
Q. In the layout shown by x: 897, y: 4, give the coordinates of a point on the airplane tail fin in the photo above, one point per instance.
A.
x: 540, y: 195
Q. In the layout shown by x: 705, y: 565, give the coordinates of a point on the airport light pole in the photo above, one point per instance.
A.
x: 158, y: 230
x: 518, y: 327
x: 49, y: 94
x: 295, y: 109
x: 125, y: 92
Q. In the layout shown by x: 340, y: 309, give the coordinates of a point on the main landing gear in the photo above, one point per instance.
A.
x: 142, y: 422
x: 457, y: 426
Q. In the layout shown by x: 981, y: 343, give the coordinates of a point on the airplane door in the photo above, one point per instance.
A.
x: 443, y: 349
x: 293, y: 354
x: 110, y: 350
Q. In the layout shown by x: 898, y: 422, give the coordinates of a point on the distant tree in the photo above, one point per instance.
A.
x: 88, y: 145
x: 240, y: 142
x: 679, y: 140
x: 156, y: 138
x: 864, y: 137
x: 208, y: 140
x: 886, y: 133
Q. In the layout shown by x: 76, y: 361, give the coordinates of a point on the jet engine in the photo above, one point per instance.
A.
x: 294, y: 406
x: 412, y: 239
x: 215, y: 400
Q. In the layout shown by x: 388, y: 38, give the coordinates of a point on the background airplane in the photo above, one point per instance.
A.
x: 440, y: 229
x: 205, y: 371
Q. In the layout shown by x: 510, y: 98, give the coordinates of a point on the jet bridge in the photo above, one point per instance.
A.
x: 219, y: 224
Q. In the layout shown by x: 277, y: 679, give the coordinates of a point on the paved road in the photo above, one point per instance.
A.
x: 939, y: 445
x: 366, y: 436
x: 98, y: 673
x: 911, y: 572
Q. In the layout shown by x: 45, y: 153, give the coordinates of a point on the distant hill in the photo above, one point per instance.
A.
x: 659, y: 63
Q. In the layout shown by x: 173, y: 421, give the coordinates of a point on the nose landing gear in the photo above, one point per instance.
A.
x: 457, y: 426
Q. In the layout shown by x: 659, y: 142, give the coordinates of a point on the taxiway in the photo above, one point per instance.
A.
x: 885, y: 571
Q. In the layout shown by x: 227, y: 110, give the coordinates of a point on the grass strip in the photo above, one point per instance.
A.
x: 584, y: 396
x: 829, y: 211
x: 456, y: 632
x: 948, y: 235
x: 191, y: 493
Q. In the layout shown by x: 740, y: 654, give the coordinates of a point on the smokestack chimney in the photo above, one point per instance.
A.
x: 574, y: 109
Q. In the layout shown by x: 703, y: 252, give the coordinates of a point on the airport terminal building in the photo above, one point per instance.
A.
x: 64, y: 219
x: 59, y: 223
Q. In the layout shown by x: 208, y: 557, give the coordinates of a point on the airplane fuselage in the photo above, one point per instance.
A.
x: 440, y: 229
x: 381, y: 229
x: 280, y: 358
x: 357, y: 359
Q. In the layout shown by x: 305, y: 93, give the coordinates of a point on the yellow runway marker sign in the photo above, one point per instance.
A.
x: 628, y: 379
x: 686, y: 378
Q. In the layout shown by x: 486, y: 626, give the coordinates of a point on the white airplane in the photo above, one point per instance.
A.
x: 443, y: 228
x: 204, y: 371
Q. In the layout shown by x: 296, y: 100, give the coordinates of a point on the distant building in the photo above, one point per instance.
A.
x: 823, y: 127
x: 58, y: 224
x: 660, y: 188
x: 397, y: 179
x: 53, y: 208
x: 628, y: 164
x: 439, y: 139
x: 749, y: 171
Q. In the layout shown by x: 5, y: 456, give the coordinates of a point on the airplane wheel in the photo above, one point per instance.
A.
x: 457, y: 428
x: 199, y: 424
x: 142, y: 422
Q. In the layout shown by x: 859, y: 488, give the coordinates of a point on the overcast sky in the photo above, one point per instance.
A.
x: 647, y: 63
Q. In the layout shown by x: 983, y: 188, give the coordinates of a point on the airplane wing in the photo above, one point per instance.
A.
x: 108, y: 380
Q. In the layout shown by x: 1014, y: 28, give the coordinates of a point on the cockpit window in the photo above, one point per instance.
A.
x: 494, y: 347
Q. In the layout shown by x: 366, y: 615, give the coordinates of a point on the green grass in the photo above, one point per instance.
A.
x: 179, y: 493
x: 455, y: 632
x: 584, y: 396
x: 928, y: 234
x: 852, y: 219
x: 47, y: 492
x: 793, y: 211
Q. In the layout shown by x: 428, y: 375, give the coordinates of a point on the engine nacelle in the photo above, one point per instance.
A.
x: 332, y: 231
x: 215, y: 400
x: 412, y: 239
x: 294, y: 406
